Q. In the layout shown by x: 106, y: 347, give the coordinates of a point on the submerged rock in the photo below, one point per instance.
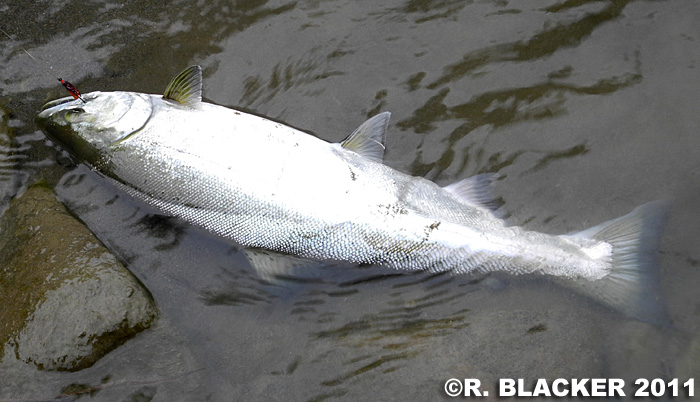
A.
x: 66, y: 300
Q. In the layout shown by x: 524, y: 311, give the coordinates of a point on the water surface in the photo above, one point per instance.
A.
x: 586, y: 108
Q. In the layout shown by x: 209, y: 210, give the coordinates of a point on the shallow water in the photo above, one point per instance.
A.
x: 586, y: 108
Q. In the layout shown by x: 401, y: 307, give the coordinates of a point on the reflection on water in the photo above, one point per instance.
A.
x: 585, y: 108
x: 19, y: 160
x: 236, y: 287
x: 556, y: 36
x: 402, y: 329
x: 8, y: 153
x: 285, y: 77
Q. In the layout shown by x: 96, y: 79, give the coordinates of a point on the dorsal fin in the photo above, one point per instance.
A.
x: 476, y: 190
x: 186, y: 87
x: 368, y: 139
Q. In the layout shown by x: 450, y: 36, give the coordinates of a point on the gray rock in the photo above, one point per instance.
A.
x: 67, y: 301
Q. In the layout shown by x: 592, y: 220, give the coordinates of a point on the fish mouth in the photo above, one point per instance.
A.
x: 53, y: 103
x: 68, y: 99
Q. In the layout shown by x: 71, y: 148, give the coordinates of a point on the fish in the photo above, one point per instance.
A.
x: 264, y: 185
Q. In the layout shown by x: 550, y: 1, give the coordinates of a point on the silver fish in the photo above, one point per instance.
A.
x: 266, y: 185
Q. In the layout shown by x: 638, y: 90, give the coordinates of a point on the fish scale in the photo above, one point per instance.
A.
x: 265, y: 185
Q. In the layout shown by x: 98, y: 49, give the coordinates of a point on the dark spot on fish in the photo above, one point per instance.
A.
x: 394, y: 209
x: 238, y: 113
x: 429, y: 229
x: 353, y: 175
x: 537, y: 328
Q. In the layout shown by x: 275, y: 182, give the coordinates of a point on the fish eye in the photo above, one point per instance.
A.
x: 72, y: 114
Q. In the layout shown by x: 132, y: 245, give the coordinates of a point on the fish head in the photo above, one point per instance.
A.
x: 88, y: 127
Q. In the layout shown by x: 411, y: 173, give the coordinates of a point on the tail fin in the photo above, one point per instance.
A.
x: 632, y: 285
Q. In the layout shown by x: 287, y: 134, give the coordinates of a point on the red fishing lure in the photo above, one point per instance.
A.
x: 73, y: 90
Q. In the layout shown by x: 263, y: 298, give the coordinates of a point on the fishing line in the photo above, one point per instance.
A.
x: 67, y: 85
